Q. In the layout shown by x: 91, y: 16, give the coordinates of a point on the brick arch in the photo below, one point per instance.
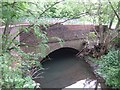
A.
x: 61, y: 52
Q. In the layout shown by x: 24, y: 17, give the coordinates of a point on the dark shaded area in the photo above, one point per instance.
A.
x: 62, y: 53
x: 63, y: 69
x: 61, y: 73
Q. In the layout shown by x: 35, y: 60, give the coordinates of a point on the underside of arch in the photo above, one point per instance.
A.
x: 65, y: 52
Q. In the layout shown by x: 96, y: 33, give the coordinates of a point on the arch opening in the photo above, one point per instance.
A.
x: 62, y: 53
x: 63, y: 70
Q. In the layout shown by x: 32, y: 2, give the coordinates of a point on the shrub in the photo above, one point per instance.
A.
x: 109, y: 68
x: 11, y: 73
x: 116, y: 42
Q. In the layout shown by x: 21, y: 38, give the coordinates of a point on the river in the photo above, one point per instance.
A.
x: 64, y: 70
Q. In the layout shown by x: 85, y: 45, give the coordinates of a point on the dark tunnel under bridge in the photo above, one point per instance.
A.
x: 61, y: 53
x: 63, y: 69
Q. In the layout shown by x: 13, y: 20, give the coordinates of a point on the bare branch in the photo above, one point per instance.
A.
x: 78, y: 16
x: 114, y: 10
x: 37, y: 71
x: 49, y: 8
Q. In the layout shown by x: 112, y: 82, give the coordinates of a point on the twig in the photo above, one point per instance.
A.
x: 37, y: 19
x: 36, y: 72
x: 49, y: 8
x: 19, y: 45
x: 114, y: 10
x: 69, y: 19
x: 99, y: 12
x: 37, y: 77
x: 18, y: 35
x: 45, y: 11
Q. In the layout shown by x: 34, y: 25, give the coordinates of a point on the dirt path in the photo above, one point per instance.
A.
x: 64, y: 73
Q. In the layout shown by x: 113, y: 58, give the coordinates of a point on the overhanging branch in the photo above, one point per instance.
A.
x: 114, y: 10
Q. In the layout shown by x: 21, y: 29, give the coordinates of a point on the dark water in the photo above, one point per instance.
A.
x: 62, y: 73
x: 63, y: 70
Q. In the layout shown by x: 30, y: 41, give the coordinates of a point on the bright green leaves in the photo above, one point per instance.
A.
x: 29, y: 83
x: 12, y: 73
x: 61, y: 41
x: 37, y: 31
x: 109, y: 67
x: 43, y: 48
x: 13, y: 11
x: 13, y: 68
x: 41, y: 35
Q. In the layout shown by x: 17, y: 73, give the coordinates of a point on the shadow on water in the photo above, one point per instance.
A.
x: 63, y: 70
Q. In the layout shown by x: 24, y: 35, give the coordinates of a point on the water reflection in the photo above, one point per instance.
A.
x: 64, y: 71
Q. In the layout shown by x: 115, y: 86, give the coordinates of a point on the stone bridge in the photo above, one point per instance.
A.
x: 69, y: 72
x: 63, y: 73
x: 73, y: 36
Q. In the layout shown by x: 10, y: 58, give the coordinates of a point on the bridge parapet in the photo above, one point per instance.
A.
x: 69, y: 32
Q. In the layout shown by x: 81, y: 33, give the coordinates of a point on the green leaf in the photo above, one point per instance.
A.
x: 61, y: 41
